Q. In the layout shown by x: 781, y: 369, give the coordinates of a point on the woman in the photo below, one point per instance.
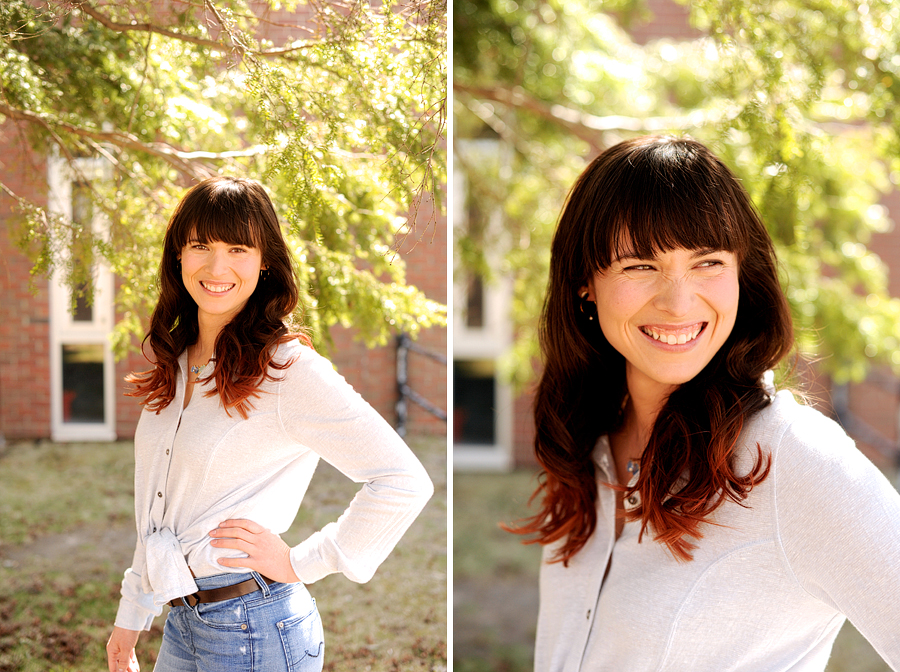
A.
x: 692, y: 518
x: 237, y: 412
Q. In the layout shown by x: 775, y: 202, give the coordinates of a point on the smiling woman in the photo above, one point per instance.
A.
x: 219, y: 476
x: 692, y: 517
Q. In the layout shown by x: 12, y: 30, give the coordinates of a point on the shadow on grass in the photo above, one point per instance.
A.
x: 495, y: 587
x: 67, y: 535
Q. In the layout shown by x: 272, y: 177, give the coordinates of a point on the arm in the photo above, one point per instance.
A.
x: 320, y: 410
x: 839, y: 523
x: 120, y: 654
x: 136, y: 608
x: 136, y: 612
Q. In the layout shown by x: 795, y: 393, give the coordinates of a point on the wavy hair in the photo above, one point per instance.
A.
x: 658, y: 193
x: 239, y: 212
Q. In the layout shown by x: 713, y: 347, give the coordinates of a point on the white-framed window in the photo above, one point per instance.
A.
x: 82, y: 372
x: 482, y: 331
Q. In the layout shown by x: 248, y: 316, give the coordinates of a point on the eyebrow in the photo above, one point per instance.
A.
x: 700, y: 252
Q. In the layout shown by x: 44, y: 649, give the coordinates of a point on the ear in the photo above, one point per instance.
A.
x: 586, y: 293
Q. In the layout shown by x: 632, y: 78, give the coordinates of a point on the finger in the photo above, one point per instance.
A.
x: 234, y: 543
x: 249, y: 525
x: 245, y: 563
x: 233, y: 533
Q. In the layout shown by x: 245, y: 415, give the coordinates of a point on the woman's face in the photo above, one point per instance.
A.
x: 220, y: 277
x: 667, y: 315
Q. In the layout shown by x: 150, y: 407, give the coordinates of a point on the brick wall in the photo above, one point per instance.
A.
x: 24, y: 316
x: 667, y: 19
x: 373, y: 372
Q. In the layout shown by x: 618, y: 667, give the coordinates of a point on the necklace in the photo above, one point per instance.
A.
x: 633, y: 467
x: 196, y: 370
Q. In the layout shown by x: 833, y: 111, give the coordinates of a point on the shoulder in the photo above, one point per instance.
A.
x: 304, y: 371
x: 786, y: 423
x: 296, y: 353
x: 806, y: 446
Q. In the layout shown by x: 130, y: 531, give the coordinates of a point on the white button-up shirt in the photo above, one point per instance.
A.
x: 197, y: 467
x: 770, y: 585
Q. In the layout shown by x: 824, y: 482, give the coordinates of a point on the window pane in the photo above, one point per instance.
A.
x: 83, y: 214
x: 475, y: 302
x: 82, y: 380
x: 474, y: 407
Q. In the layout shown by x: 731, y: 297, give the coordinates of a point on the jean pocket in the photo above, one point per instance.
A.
x: 224, y: 615
x: 303, y: 641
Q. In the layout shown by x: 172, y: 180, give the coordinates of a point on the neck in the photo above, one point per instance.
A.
x: 645, y: 400
x: 209, y: 329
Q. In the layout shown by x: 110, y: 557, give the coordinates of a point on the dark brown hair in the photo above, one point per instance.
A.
x: 239, y: 212
x: 664, y: 193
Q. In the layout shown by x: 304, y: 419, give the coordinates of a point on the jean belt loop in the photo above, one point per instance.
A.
x: 263, y: 586
x: 191, y: 601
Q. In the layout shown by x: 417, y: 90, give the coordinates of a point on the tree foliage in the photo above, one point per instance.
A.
x: 800, y: 98
x: 338, y: 107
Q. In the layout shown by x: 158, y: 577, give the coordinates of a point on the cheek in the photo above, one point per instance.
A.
x: 724, y: 296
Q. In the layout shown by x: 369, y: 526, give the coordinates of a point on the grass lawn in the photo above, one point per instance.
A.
x: 67, y: 534
x: 495, y: 577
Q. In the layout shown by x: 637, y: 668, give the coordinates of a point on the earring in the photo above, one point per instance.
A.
x: 263, y: 273
x: 584, y: 300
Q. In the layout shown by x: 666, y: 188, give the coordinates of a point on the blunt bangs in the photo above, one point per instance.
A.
x: 665, y: 195
x: 218, y: 211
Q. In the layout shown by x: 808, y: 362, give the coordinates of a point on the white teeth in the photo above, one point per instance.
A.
x: 672, y: 339
x: 218, y: 289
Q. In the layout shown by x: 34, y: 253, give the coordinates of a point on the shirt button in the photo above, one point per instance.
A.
x: 589, y: 614
x: 154, y: 529
x: 633, y: 500
x: 167, y: 451
x: 159, y: 494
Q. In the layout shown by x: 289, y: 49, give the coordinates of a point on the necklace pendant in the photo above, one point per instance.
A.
x: 633, y: 467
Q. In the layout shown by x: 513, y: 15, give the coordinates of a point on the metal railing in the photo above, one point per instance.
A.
x: 404, y: 345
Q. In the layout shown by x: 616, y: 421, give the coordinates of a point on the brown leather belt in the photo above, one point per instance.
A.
x: 220, y: 594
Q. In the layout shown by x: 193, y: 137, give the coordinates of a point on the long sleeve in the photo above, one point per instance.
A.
x: 320, y: 410
x: 136, y: 608
x: 839, y: 526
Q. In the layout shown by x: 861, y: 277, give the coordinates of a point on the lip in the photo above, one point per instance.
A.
x: 692, y: 333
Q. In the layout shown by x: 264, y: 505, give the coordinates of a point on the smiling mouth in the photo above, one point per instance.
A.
x: 216, y: 287
x: 677, y: 336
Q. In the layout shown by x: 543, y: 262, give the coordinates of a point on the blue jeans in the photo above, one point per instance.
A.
x: 275, y: 629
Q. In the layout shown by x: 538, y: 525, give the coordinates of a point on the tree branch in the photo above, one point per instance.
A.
x: 86, y: 8
x: 588, y: 127
x: 185, y: 162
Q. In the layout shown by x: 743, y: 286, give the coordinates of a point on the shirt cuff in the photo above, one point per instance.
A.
x: 136, y: 608
x: 307, y: 562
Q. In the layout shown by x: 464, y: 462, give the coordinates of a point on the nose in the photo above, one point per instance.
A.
x: 674, y: 296
x: 217, y: 263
